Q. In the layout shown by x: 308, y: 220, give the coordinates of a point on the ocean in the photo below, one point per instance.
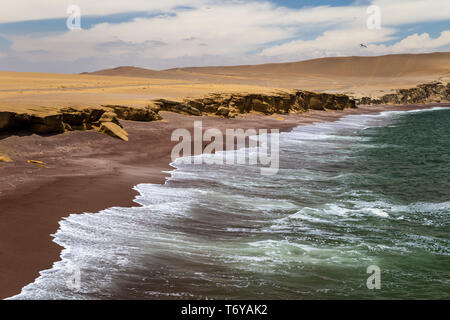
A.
x: 366, y: 190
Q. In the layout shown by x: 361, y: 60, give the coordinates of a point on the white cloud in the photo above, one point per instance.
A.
x: 345, y: 43
x: 334, y: 42
x: 22, y: 10
x: 394, y: 12
x: 415, y: 43
x: 219, y: 32
x: 400, y: 12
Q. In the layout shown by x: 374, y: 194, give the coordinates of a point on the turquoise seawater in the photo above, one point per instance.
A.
x: 364, y: 190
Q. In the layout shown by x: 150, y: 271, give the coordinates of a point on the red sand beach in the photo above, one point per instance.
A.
x: 87, y: 172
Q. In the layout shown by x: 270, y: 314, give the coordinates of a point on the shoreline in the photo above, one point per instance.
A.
x: 88, y: 172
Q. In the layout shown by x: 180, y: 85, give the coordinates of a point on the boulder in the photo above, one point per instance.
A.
x: 113, y: 130
x: 5, y: 158
x: 35, y: 162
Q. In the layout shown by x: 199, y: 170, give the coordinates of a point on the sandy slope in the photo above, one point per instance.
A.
x: 31, y: 90
x: 360, y: 75
x: 337, y: 67
x: 129, y: 85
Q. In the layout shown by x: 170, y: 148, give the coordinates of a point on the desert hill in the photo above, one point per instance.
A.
x: 128, y: 71
x: 378, y: 66
x: 357, y: 75
x: 401, y: 65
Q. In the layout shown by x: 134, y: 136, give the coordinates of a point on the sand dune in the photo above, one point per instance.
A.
x: 130, y: 71
x: 379, y: 66
x: 356, y: 76
x: 337, y: 73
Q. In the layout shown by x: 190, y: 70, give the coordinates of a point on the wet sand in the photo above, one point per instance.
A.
x: 88, y: 172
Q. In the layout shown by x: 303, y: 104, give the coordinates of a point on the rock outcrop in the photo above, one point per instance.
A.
x: 135, y: 114
x: 230, y: 105
x: 106, y: 118
x: 434, y: 92
x: 113, y: 130
x: 7, y: 120
x: 5, y: 158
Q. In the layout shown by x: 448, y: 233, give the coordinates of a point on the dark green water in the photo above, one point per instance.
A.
x: 362, y: 191
x: 409, y: 160
x: 406, y: 168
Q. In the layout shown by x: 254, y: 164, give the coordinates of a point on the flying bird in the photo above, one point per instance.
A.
x: 362, y: 45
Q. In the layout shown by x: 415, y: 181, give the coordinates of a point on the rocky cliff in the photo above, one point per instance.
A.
x: 231, y: 105
x: 424, y: 93
x: 105, y: 119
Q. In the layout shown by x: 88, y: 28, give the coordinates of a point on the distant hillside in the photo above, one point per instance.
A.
x: 359, y: 76
x: 127, y: 72
x: 379, y: 66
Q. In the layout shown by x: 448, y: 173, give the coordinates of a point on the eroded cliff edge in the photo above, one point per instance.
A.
x: 433, y: 92
x: 231, y: 105
x: 106, y: 118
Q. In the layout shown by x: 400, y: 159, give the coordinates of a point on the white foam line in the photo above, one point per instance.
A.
x: 334, y: 125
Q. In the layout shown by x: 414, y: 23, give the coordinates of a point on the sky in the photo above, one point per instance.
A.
x: 163, y: 34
